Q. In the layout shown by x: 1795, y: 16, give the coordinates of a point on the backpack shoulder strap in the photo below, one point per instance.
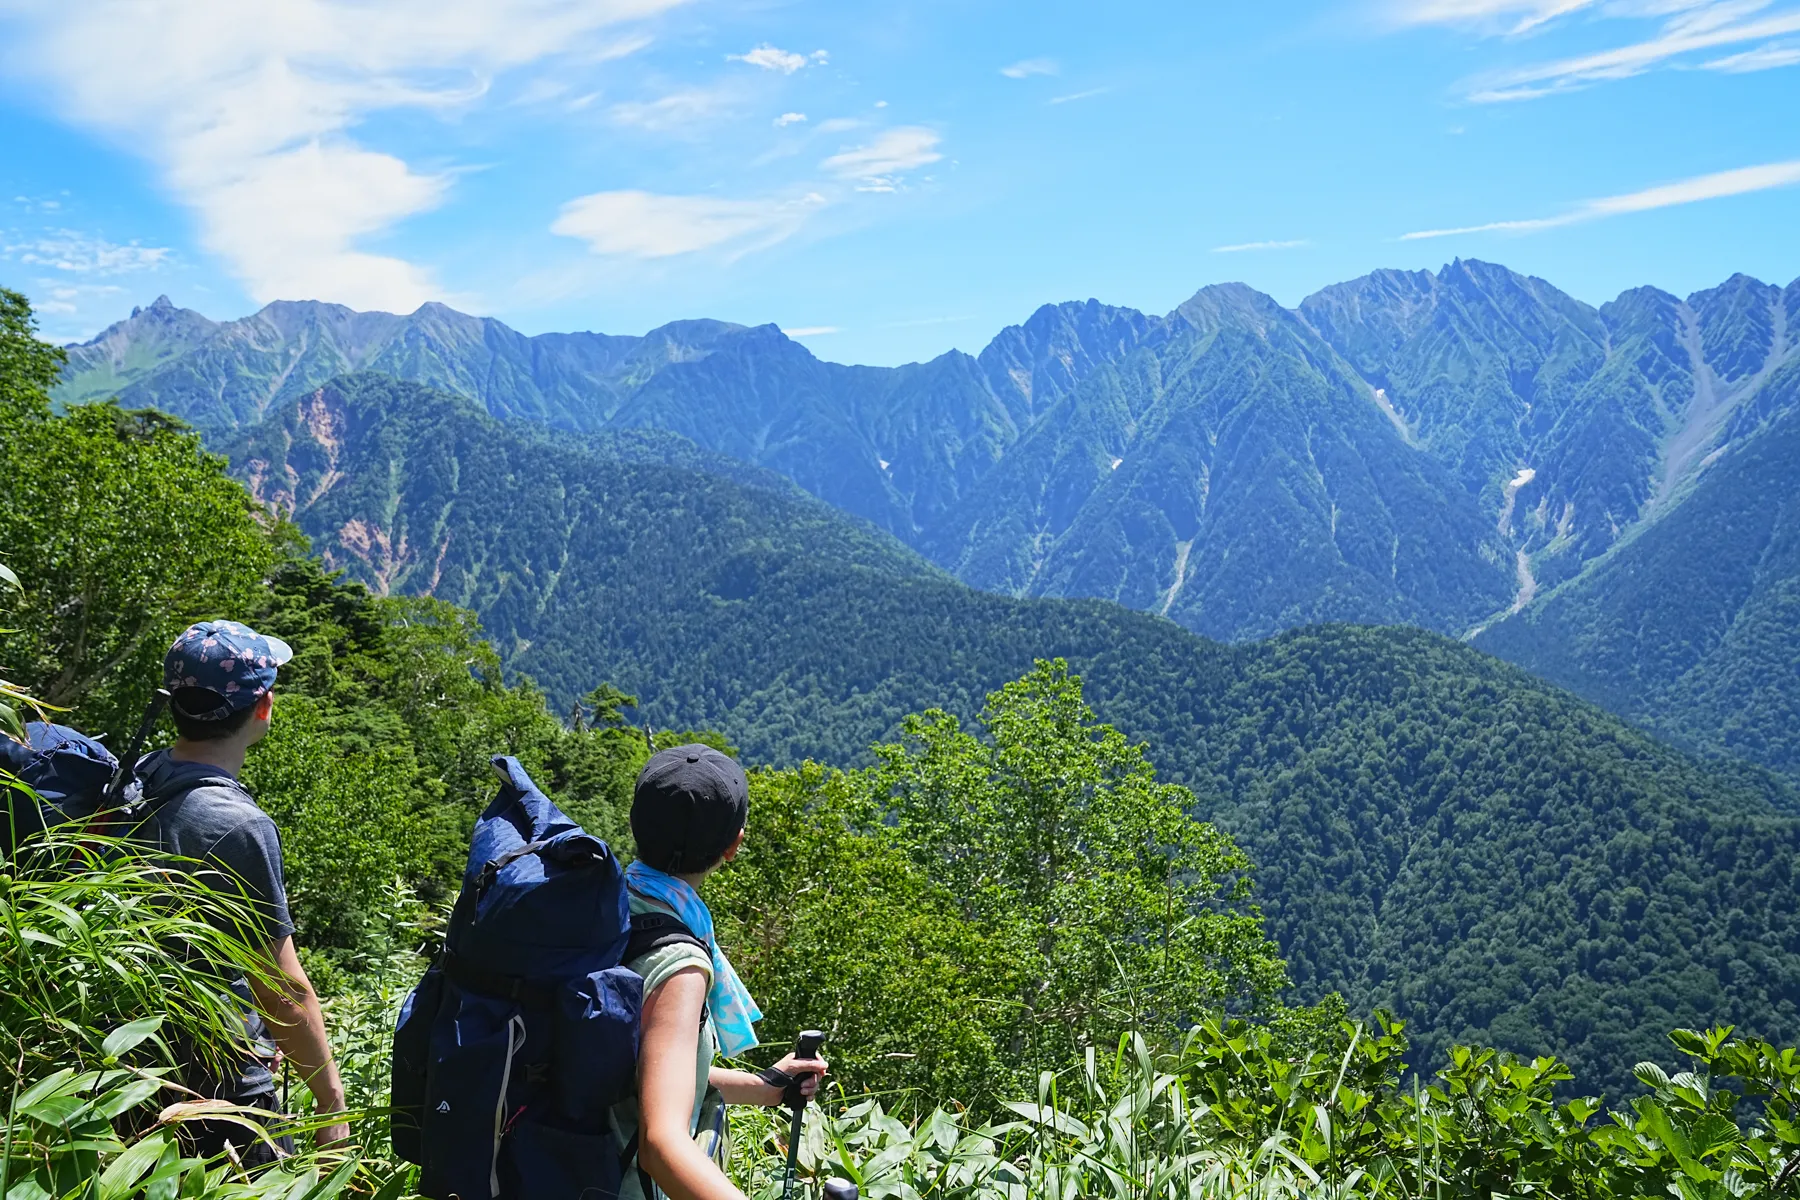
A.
x: 146, y: 802
x: 652, y: 931
x: 140, y: 803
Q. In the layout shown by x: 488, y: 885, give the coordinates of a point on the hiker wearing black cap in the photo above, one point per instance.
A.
x: 688, y: 814
x: 220, y: 676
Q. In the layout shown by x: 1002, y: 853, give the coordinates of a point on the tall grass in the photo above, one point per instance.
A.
x: 95, y: 934
x: 1233, y: 1113
x: 114, y: 967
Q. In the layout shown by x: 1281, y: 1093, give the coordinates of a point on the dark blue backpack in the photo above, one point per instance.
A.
x: 512, y: 1050
x: 68, y: 771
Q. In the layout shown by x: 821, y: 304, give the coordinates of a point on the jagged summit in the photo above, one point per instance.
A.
x: 1430, y: 447
x: 162, y: 304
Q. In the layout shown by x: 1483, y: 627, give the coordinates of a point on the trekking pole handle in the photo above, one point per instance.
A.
x: 805, y: 1046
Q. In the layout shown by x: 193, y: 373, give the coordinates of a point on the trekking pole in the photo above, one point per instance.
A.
x: 115, y: 788
x: 805, y: 1046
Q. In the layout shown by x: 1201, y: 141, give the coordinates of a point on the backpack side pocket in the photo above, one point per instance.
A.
x: 411, y: 1064
x: 475, y: 1043
x: 596, y: 1040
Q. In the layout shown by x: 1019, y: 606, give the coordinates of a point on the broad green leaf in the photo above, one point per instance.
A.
x: 128, y: 1036
x: 397, y: 1185
x: 126, y: 1098
x: 165, y: 1181
x: 46, y: 1086
x: 122, y: 1174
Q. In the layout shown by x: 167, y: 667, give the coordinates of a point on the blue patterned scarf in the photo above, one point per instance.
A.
x: 734, y: 1013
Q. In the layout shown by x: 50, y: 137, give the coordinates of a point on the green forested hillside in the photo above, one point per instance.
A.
x: 1692, y: 627
x: 1430, y: 827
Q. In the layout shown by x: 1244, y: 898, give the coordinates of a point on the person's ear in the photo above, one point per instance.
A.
x: 265, y: 706
x: 737, y: 844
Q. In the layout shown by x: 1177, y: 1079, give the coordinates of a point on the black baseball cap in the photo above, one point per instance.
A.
x: 689, y: 806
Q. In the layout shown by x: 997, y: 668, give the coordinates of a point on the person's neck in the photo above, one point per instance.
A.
x: 228, y: 755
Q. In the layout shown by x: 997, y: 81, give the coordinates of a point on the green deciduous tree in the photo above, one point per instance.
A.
x: 835, y: 928
x: 351, y: 822
x: 28, y: 368
x: 980, y: 904
x: 122, y: 529
x: 1053, y: 832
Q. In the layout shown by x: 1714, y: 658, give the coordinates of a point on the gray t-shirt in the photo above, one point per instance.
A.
x: 200, y: 812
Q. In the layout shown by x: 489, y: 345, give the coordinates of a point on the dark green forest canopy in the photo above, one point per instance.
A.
x: 1427, y: 826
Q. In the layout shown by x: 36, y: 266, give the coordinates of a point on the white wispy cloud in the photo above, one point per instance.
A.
x: 1686, y: 31
x: 1763, y: 58
x: 1668, y: 195
x: 876, y: 166
x: 1072, y: 96
x: 247, y: 112
x: 68, y: 299
x: 789, y: 118
x: 1240, y: 247
x: 840, y: 124
x: 636, y: 224
x: 84, y: 254
x: 685, y: 108
x: 771, y: 58
x: 1507, y: 16
x: 810, y: 331
x: 1026, y: 68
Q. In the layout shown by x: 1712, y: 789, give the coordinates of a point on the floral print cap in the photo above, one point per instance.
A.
x: 233, y: 661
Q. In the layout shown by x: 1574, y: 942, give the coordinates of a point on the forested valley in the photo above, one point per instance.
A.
x: 1089, y: 904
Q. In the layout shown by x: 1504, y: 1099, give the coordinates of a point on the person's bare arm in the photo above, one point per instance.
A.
x: 668, y: 1041
x: 743, y: 1087
x: 295, y: 1020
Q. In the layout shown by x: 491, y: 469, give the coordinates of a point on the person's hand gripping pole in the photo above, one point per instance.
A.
x: 806, y: 1047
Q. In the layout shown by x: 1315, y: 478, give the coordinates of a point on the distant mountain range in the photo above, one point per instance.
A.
x: 1434, y: 830
x: 1471, y: 451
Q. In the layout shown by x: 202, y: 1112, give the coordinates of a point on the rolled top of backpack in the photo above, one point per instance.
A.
x: 64, y: 766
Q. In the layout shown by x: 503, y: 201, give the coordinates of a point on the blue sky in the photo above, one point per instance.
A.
x: 886, y: 181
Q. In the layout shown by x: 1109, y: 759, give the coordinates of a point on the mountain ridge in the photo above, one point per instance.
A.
x: 1444, y: 449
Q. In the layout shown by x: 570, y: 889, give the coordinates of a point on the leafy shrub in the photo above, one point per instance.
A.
x: 1233, y: 1113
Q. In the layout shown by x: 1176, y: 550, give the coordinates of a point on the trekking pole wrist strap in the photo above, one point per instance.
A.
x: 776, y: 1078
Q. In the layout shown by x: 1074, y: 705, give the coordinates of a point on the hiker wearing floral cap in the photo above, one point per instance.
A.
x: 220, y: 676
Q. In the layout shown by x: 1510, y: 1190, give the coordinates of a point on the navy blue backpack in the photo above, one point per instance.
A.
x: 512, y: 1050
x: 68, y: 771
